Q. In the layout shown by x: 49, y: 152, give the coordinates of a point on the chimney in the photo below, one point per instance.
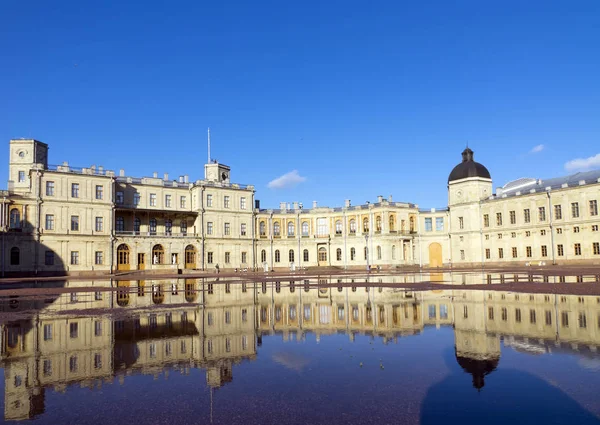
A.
x: 347, y: 203
x: 295, y: 204
x: 300, y: 205
x: 122, y: 172
x: 155, y: 174
x: 380, y: 199
x: 257, y: 204
x: 390, y: 198
x: 100, y: 169
x: 282, y: 206
x: 314, y: 204
x: 166, y: 177
x: 186, y: 178
x: 180, y: 179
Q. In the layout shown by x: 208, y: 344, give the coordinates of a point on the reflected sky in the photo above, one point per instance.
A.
x: 315, y: 350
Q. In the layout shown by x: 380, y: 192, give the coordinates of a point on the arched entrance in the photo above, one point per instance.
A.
x: 158, y: 254
x: 435, y: 255
x: 190, y: 257
x: 322, y: 256
x: 123, y: 293
x: 123, y: 257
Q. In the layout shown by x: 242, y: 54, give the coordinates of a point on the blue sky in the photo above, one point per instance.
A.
x: 360, y: 98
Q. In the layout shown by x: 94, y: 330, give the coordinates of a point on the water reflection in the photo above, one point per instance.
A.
x: 101, y: 330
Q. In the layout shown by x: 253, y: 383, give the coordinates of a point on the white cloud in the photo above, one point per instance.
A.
x: 537, y: 149
x: 583, y: 164
x: 286, y: 181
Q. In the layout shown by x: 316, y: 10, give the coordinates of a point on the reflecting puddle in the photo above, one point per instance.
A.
x: 304, y: 350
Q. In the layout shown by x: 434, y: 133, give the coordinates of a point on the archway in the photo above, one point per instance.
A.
x: 123, y: 257
x: 190, y: 257
x: 158, y: 254
x: 435, y: 255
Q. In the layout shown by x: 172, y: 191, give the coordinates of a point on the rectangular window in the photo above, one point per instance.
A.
x: 227, y: 257
x: 542, y: 213
x: 136, y: 198
x: 543, y: 232
x: 74, y: 257
x: 49, y: 221
x: 559, y: 231
x: 119, y: 196
x: 209, y: 228
x: 244, y: 257
x: 243, y: 203
x: 488, y: 253
x: 499, y: 235
x: 75, y: 190
x: 596, y: 248
x: 209, y: 257
x: 21, y: 176
x: 577, y: 249
x: 47, y: 332
x: 226, y: 201
x: 513, y: 234
x: 593, y: 208
x: 594, y: 227
x: 49, y: 188
x: 99, y: 258
x: 513, y: 217
x: 518, y: 315
x: 557, y: 212
x: 500, y: 253
x: 75, y: 223
x: 227, y: 230
x: 462, y: 254
x: 153, y: 199
x: 49, y: 258
x: 532, y: 318
x: 461, y: 223
x: 182, y: 202
x: 73, y: 329
x: 514, y: 252
x: 544, y: 251
x: 243, y: 229
x: 576, y: 229
x: 526, y: 215
x: 209, y: 201
x: 560, y: 250
x: 548, y: 316
x: 575, y: 209
x: 167, y: 201
x: 99, y: 224
x: 528, y: 250
x: 499, y: 219
x: 439, y: 224
x: 428, y: 225
x: 322, y: 227
x: 100, y: 192
x: 486, y: 220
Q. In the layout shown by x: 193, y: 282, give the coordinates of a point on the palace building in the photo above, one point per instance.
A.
x: 64, y: 219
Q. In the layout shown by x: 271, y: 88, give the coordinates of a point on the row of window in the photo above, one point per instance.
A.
x: 560, y: 251
x: 98, y: 223
x: 559, y: 231
x: 323, y: 228
x: 226, y: 201
x: 439, y: 224
x: 50, y: 190
x: 49, y: 258
x: 210, y: 258
x: 558, y: 214
x: 548, y: 314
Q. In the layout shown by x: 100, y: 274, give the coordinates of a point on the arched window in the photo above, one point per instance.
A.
x: 277, y: 256
x: 291, y: 228
x: 353, y: 226
x: 305, y: 254
x: 168, y: 227
x: 412, y: 224
x: 15, y: 256
x: 291, y: 255
x: 393, y: 252
x: 322, y: 254
x: 392, y: 223
x: 305, y: 228
x: 338, y: 227
x: 352, y: 254
x: 276, y: 229
x: 15, y: 219
x: 365, y: 225
x: 120, y: 223
x: 153, y: 226
x: 338, y: 254
x: 122, y: 255
x: 136, y: 225
x: 378, y: 223
x: 263, y: 256
x: 158, y: 254
x: 190, y: 254
x: 262, y: 228
x: 378, y: 252
x: 158, y: 294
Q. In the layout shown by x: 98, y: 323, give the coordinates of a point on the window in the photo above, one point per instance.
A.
x: 544, y: 251
x: 594, y: 228
x: 500, y: 253
x: 542, y: 213
x: 518, y: 315
x: 21, y: 176
x: 227, y: 229
x: 526, y: 215
x: 365, y: 225
x: 557, y: 212
x: 596, y: 248
x: 227, y: 257
x: 226, y: 201
x: 136, y: 225
x: 167, y: 201
x: 15, y: 219
x: 49, y: 188
x: 99, y: 224
x: 209, y: 228
x: 75, y: 223
x: 528, y: 252
x: 73, y: 364
x: 243, y: 229
x: 338, y: 227
x: 244, y: 257
x: 488, y: 254
x: 262, y: 228
x: 183, y: 227
x: 168, y: 227
x: 291, y: 256
x: 439, y: 224
x: 73, y: 329
x: 152, y: 226
x: 322, y: 227
x: 276, y: 229
x: 548, y: 317
x: 291, y: 228
x: 560, y: 250
x: 575, y: 209
x: 352, y: 226
x: 576, y: 229
x: 428, y: 225
x: 75, y: 190
x: 378, y: 252
x: 243, y: 203
x: 305, y: 255
x: 338, y: 254
x: 120, y: 224
x: 352, y: 254
x: 136, y: 198
x: 513, y: 234
x: 277, y: 256
x: 499, y: 235
x: 582, y: 321
x: 393, y: 252
x: 559, y: 231
x: 209, y: 200
x: 47, y: 332
x: 486, y: 220
x: 514, y: 252
x: 99, y: 258
x: 15, y: 255
x: 209, y: 257
x: 49, y: 258
x: 263, y: 256
x: 487, y: 237
x: 564, y: 317
x: 49, y: 221
x: 593, y: 208
x: 513, y: 217
x: 392, y: 221
x: 100, y: 193
x: 577, y: 249
x: 462, y: 254
x: 504, y: 314
x: 461, y: 223
x: 153, y: 199
x: 543, y: 232
x: 499, y: 219
x: 74, y: 257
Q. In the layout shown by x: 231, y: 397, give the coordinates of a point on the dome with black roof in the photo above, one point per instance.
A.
x: 468, y: 168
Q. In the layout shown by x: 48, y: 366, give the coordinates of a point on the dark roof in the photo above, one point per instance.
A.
x: 468, y: 168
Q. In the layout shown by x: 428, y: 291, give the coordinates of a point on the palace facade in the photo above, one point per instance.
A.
x: 64, y: 219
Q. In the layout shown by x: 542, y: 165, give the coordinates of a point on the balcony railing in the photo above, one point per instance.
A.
x: 157, y: 234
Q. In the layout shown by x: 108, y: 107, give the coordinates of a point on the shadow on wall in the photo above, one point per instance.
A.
x: 497, y: 396
x: 22, y: 256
